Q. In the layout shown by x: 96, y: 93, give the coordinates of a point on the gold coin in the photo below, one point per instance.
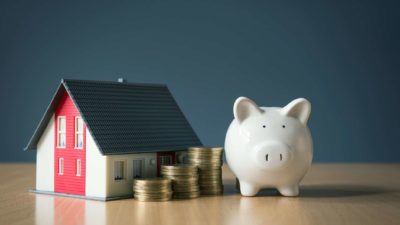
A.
x: 187, y: 193
x: 175, y: 179
x: 155, y: 187
x: 181, y: 178
x: 211, y: 157
x: 205, y: 148
x: 213, y: 170
x: 136, y: 190
x: 145, y: 199
x: 152, y: 181
x: 152, y: 184
x: 164, y: 193
x: 203, y: 163
x: 210, y: 176
x: 209, y: 186
x: 179, y: 167
x: 212, y: 187
x: 185, y: 184
x: 153, y: 197
x: 210, y: 172
x: 186, y: 188
x: 204, y: 157
x: 194, y: 155
x: 208, y: 166
x: 181, y: 185
x: 178, y: 174
x: 210, y: 181
x: 186, y: 196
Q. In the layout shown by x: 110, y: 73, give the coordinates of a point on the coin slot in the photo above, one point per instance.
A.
x: 266, y: 157
x: 280, y: 155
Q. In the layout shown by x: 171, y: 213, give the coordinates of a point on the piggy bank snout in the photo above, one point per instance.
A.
x: 272, y: 155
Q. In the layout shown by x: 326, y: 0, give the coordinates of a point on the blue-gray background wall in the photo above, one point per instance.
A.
x: 341, y: 55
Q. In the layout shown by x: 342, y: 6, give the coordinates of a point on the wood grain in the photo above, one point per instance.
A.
x: 330, y: 194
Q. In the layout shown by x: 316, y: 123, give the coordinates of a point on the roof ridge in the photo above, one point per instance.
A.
x: 63, y: 80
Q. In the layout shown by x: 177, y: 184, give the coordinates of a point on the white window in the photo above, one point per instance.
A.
x: 137, y: 168
x: 119, y: 170
x: 61, y: 166
x: 165, y: 160
x: 78, y: 132
x: 61, y: 124
x: 78, y: 167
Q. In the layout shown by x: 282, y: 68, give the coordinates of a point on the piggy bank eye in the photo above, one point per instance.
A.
x: 283, y: 126
x: 264, y: 126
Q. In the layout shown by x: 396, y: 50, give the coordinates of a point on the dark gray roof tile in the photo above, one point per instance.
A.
x: 126, y: 117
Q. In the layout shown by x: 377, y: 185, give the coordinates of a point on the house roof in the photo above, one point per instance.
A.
x: 125, y: 117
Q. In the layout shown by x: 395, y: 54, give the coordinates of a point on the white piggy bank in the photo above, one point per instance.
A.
x: 269, y: 147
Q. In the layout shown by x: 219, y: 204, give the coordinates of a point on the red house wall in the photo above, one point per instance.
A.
x: 69, y: 182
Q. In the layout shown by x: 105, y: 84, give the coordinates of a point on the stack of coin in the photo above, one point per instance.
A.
x: 152, y: 189
x: 209, y: 162
x: 184, y: 180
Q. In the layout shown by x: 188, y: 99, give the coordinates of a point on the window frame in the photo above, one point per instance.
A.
x: 78, y: 167
x: 165, y: 156
x: 142, y: 166
x: 76, y: 133
x: 61, y: 131
x: 60, y: 166
x: 123, y: 177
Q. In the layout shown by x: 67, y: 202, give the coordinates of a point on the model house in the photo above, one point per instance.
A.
x: 97, y: 136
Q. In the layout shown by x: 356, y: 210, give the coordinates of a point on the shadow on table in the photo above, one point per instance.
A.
x: 320, y: 191
x: 337, y: 191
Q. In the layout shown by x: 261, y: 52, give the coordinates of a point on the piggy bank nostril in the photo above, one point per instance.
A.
x: 266, y: 157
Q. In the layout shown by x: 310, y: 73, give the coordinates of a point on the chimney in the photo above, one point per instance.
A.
x: 122, y: 80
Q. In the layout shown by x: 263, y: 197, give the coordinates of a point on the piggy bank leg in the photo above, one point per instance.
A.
x: 289, y: 190
x: 247, y: 189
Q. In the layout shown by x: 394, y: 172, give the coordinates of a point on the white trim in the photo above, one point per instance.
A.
x: 78, y: 167
x: 78, y: 132
x: 61, y: 131
x: 45, y: 160
x: 96, y: 168
x: 60, y: 166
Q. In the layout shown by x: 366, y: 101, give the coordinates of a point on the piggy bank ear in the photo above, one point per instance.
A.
x: 244, y: 108
x: 299, y: 108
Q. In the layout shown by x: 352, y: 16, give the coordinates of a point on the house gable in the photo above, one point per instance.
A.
x: 69, y: 148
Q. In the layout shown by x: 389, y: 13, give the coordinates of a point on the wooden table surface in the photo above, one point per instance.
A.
x: 329, y: 194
